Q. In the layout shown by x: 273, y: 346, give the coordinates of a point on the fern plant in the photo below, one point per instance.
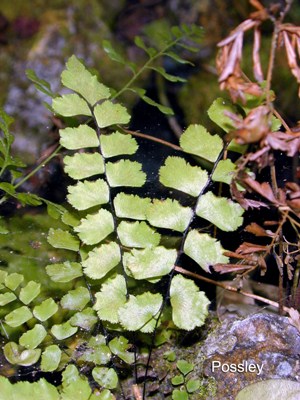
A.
x: 117, y: 237
x: 122, y: 275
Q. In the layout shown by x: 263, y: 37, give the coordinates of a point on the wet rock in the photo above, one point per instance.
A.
x: 44, y: 45
x: 266, y: 341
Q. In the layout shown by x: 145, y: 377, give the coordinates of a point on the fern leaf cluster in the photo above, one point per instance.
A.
x: 116, y: 238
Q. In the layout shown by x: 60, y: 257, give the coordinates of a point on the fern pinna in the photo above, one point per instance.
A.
x: 117, y: 237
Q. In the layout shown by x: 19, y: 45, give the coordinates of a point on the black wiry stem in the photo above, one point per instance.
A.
x: 179, y: 254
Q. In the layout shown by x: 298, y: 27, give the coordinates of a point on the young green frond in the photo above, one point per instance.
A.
x: 45, y: 310
x: 145, y: 308
x: 33, y: 337
x: 63, y: 240
x: 87, y: 194
x: 204, y: 249
x: 117, y: 144
x: 50, y: 359
x: 79, y: 79
x: 63, y: 331
x: 137, y: 234
x: 70, y: 105
x: 125, y: 173
x: 222, y: 212
x: 109, y: 113
x: 81, y: 137
x: 169, y: 214
x: 224, y: 171
x: 95, y: 227
x: 196, y: 140
x: 101, y: 260
x: 76, y: 299
x: 29, y: 292
x: 16, y: 354
x: 189, y: 305
x: 65, y: 272
x: 131, y: 206
x: 150, y: 262
x: 180, y: 175
x: 84, y: 165
x: 111, y: 297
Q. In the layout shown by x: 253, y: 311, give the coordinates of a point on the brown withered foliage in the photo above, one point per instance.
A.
x: 290, y: 37
x: 255, y: 130
x: 229, y: 63
x: 231, y: 76
x: 248, y: 256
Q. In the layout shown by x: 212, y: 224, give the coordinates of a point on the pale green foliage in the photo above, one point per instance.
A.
x: 63, y: 239
x: 187, y: 385
x: 196, y: 140
x: 29, y: 292
x: 137, y: 234
x: 106, y: 377
x: 184, y: 367
x: 101, y: 260
x: 18, y: 316
x: 204, y: 249
x: 119, y: 346
x: 145, y: 309
x: 88, y: 194
x: 45, y: 310
x: 16, y: 354
x: 189, y: 305
x: 224, y: 171
x: 112, y: 238
x: 50, y: 358
x: 76, y: 299
x: 73, y: 385
x: 27, y: 391
x: 84, y: 165
x: 95, y: 227
x: 180, y: 175
x: 12, y: 281
x: 97, y: 351
x: 85, y: 319
x: 79, y: 79
x: 217, y: 113
x: 33, y: 338
x: 65, y: 272
x: 109, y: 113
x: 125, y: 173
x: 78, y: 138
x: 179, y: 395
x: 111, y: 297
x: 169, y: 214
x: 222, y: 212
x: 70, y: 105
x: 63, y: 331
x: 131, y: 206
x: 150, y: 263
x: 7, y: 298
x: 117, y: 144
x: 71, y: 218
x: 7, y: 162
